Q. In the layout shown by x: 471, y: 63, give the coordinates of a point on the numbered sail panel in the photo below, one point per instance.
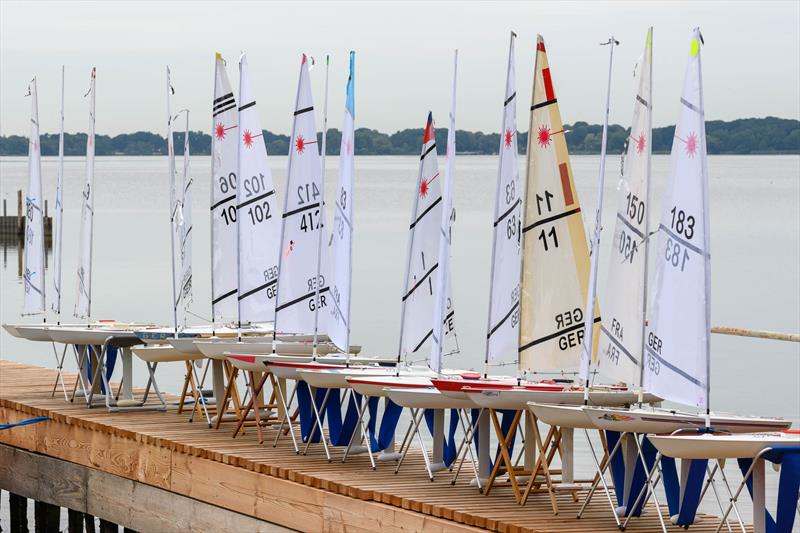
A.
x: 302, y: 271
x: 257, y: 218
x: 224, y: 161
x: 503, y: 333
x: 677, y: 338
x: 555, y: 254
x: 33, y: 276
x: 338, y: 321
x: 83, y: 301
x: 620, y: 347
x: 420, y: 285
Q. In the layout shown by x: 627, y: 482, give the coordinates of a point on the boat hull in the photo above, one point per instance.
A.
x: 426, y: 398
x: 86, y: 335
x: 663, y: 421
x: 517, y: 398
x: 716, y: 446
x: 569, y: 416
x: 162, y: 353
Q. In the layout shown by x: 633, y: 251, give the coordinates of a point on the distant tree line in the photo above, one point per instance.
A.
x: 768, y: 135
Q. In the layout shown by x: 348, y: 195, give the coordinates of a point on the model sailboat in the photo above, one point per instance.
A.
x: 33, y: 277
x: 677, y: 337
x: 83, y: 303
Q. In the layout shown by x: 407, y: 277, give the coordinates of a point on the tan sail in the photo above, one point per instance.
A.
x: 555, y: 261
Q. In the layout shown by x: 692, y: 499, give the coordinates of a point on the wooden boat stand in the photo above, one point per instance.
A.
x: 254, y: 404
x: 231, y: 395
x: 544, y: 475
x: 192, y: 381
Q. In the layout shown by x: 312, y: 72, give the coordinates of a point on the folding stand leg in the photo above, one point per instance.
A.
x: 416, y: 417
x: 255, y: 390
x: 223, y: 408
x: 287, y: 419
x: 80, y: 358
x: 186, y: 381
x: 60, y: 369
x: 648, y: 488
x: 466, y: 443
x: 505, y: 458
x: 361, y: 409
x: 710, y: 472
x: 547, y: 451
x: 318, y: 423
x: 97, y: 372
x: 151, y: 368
x: 600, y: 476
x: 197, y: 385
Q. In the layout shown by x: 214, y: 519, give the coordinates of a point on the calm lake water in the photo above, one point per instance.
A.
x: 755, y: 244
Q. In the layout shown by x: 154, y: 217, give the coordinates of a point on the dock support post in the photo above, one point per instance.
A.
x: 88, y: 523
x: 108, y: 527
x: 74, y: 521
x: 46, y: 517
x: 18, y: 512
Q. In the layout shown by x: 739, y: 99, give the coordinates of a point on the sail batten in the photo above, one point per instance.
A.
x: 303, y: 264
x: 224, y: 162
x: 678, y: 335
x: 83, y: 303
x: 256, y: 215
x: 555, y: 260
x: 342, y: 235
x: 33, y: 276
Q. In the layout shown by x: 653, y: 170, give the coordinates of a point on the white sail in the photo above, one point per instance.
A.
x: 186, y: 228
x: 677, y: 339
x: 443, y: 304
x: 503, y: 325
x: 555, y: 256
x: 83, y: 303
x: 620, y: 346
x: 58, y: 215
x: 256, y: 213
x: 33, y: 276
x: 342, y: 241
x: 175, y: 219
x: 303, y: 219
x: 588, y: 344
x: 420, y: 283
x: 224, y: 161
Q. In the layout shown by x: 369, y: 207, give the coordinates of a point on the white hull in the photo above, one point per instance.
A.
x: 717, y: 446
x: 569, y: 416
x: 426, y: 398
x: 518, y: 398
x: 336, y: 378
x: 91, y: 335
x: 31, y: 332
x: 375, y: 386
x: 663, y: 421
x: 291, y: 366
x: 162, y: 353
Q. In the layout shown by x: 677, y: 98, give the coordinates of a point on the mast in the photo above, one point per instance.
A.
x: 698, y: 40
x: 173, y: 206
x: 322, y: 180
x: 443, y: 274
x: 342, y: 233
x: 502, y: 321
x: 648, y: 199
x: 588, y: 335
x: 59, y: 214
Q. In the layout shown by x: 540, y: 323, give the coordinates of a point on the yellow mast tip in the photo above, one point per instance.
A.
x: 219, y: 56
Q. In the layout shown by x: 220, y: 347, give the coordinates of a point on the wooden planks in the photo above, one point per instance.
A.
x: 164, y: 451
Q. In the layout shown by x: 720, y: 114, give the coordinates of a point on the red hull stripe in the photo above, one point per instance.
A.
x: 548, y: 85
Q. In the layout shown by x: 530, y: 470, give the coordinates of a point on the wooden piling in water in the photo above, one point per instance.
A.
x: 18, y: 512
x: 46, y: 517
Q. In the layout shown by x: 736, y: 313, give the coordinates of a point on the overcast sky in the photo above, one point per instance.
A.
x: 403, y: 58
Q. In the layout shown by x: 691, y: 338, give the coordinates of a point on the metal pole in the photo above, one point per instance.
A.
x: 588, y: 335
x: 322, y: 209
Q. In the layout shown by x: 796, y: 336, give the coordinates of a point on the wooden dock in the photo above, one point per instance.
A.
x: 153, y: 471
